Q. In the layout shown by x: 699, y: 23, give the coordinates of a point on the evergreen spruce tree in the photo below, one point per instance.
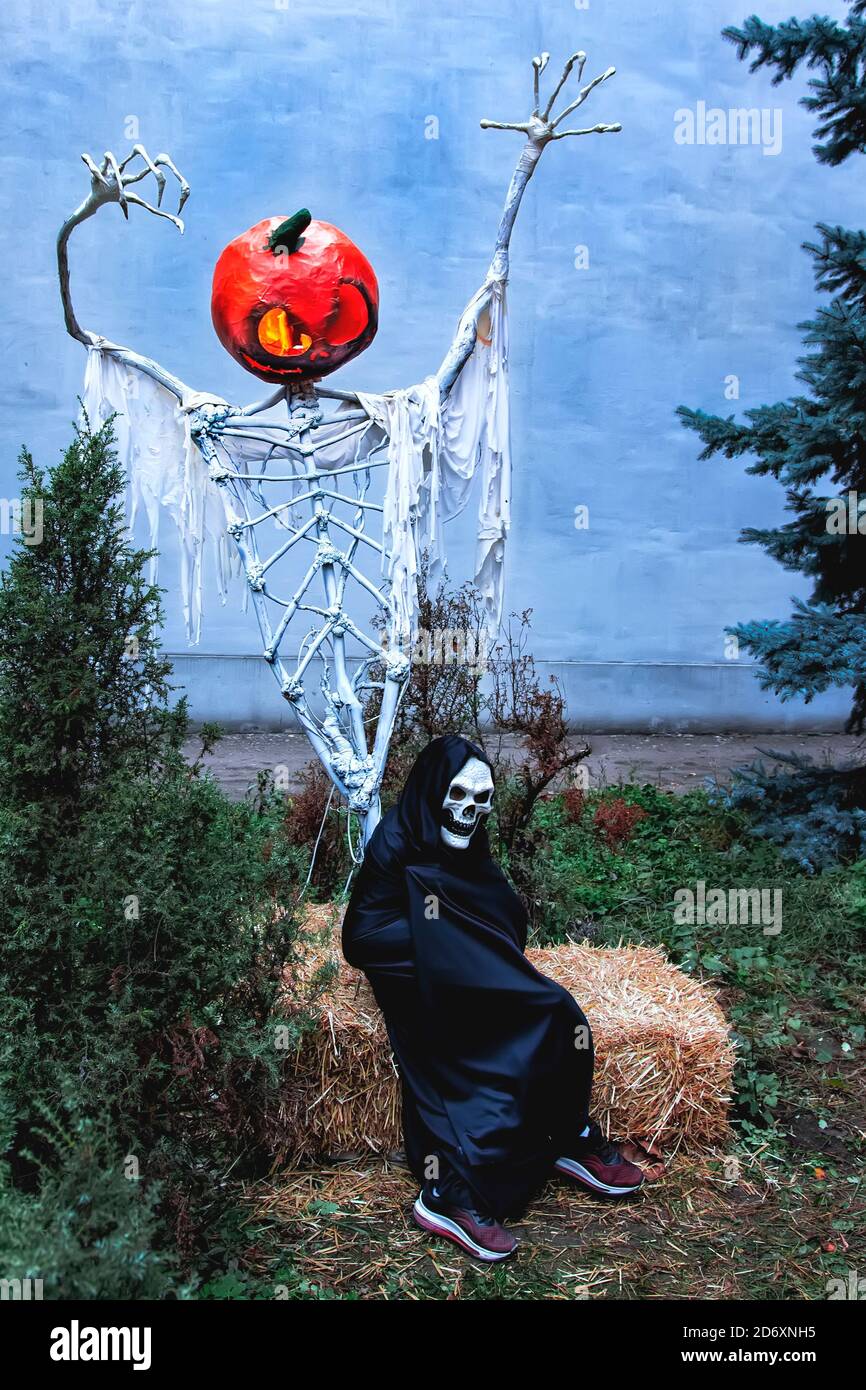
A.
x: 83, y: 686
x: 815, y: 442
x: 144, y: 918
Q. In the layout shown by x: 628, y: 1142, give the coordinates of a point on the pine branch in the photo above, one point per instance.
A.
x: 815, y: 650
x: 838, y: 95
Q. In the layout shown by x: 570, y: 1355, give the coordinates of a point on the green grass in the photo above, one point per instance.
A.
x: 801, y: 991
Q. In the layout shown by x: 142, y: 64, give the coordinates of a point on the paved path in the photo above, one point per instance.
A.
x: 676, y: 761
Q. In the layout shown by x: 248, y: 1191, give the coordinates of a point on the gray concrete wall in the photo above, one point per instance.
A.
x: 602, y: 696
x: 647, y: 271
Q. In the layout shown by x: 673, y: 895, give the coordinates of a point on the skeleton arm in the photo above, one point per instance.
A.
x: 540, y: 130
x: 110, y: 183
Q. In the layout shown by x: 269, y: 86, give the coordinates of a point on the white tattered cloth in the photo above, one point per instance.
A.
x: 434, y: 452
x: 166, y: 472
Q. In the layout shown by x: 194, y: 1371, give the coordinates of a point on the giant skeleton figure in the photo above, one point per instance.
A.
x: 204, y: 458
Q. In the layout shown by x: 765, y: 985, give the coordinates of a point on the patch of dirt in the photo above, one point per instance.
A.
x: 767, y: 1233
x: 678, y: 762
x: 809, y: 1136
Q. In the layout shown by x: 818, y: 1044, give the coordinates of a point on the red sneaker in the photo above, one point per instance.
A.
x: 599, y: 1166
x: 479, y: 1235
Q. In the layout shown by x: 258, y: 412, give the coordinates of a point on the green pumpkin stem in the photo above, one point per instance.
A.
x: 286, y: 238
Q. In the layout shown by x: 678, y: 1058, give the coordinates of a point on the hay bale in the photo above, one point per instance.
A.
x: 663, y: 1053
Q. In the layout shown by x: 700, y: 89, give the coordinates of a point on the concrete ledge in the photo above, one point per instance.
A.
x: 240, y: 693
x: 686, y: 697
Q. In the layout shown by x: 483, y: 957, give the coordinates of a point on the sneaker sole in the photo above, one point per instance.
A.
x: 444, y: 1226
x: 571, y: 1169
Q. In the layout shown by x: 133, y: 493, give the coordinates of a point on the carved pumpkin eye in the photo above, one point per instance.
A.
x: 352, y: 316
x: 279, y: 336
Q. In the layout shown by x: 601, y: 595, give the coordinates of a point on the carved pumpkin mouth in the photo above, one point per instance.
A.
x: 291, y: 348
x: 257, y: 367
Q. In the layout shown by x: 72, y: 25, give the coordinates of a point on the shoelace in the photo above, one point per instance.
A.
x: 607, y: 1152
x: 461, y: 1199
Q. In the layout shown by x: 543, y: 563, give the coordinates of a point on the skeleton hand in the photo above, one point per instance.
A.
x: 539, y: 130
x: 541, y: 127
x: 110, y: 183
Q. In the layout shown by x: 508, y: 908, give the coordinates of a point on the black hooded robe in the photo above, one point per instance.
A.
x: 495, y: 1060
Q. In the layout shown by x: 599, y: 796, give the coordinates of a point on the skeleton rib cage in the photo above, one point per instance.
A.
x: 337, y: 508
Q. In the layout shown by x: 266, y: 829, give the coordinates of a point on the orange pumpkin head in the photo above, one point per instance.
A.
x: 293, y: 299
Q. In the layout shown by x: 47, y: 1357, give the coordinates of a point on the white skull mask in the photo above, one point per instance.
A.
x: 468, y: 799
